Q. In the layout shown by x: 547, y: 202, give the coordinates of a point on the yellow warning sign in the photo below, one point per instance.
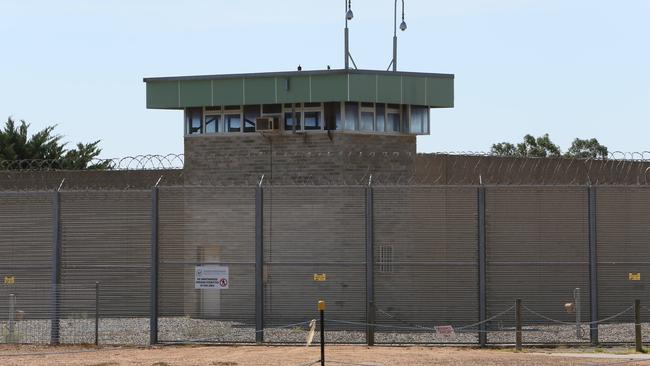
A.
x: 10, y: 280
x: 634, y: 276
x: 320, y: 277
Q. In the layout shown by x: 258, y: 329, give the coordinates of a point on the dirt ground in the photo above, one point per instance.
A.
x: 300, y: 356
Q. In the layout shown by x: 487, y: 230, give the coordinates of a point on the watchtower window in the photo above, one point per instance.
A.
x: 367, y: 117
x: 212, y: 123
x: 393, y: 118
x: 419, y: 119
x: 251, y: 113
x: 313, y: 116
x: 351, y: 116
x: 193, y: 121
x: 380, y: 117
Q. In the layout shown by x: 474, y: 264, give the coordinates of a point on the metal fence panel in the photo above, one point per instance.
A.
x: 310, y: 231
x: 623, y: 224
x: 537, y: 250
x: 105, y: 237
x: 26, y: 246
x: 206, y: 226
x: 426, y: 268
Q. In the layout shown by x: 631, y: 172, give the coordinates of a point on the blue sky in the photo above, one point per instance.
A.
x: 570, y: 68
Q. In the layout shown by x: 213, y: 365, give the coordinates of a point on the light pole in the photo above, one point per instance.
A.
x: 348, y: 16
x: 403, y: 28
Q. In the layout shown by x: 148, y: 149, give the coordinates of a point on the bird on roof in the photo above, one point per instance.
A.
x: 299, y: 68
x: 328, y: 67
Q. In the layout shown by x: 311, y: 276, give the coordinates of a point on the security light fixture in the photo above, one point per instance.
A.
x: 348, y: 16
x: 403, y: 25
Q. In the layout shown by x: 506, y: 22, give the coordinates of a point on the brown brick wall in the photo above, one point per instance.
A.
x: 289, y: 158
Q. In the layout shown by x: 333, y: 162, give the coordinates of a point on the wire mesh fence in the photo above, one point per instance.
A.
x: 394, y: 264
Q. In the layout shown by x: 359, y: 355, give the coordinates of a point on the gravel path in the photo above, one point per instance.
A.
x: 135, y: 331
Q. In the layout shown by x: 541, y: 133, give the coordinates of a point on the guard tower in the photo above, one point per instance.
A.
x: 304, y: 125
x: 301, y: 124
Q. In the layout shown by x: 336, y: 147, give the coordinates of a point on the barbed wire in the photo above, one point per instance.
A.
x: 376, y: 168
x: 137, y: 162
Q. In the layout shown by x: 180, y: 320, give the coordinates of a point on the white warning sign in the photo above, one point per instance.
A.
x: 211, y: 277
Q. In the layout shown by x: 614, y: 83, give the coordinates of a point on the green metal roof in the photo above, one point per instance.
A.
x: 427, y: 89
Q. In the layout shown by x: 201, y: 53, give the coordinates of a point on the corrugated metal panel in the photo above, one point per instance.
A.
x: 431, y: 277
x: 435, y: 90
x: 207, y: 225
x: 537, y: 250
x: 26, y: 246
x: 314, y: 230
x: 105, y: 237
x: 623, y: 224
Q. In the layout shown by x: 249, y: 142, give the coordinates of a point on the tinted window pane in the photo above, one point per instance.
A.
x: 233, y: 123
x: 193, y: 116
x: 339, y: 118
x: 418, y: 119
x: 251, y: 113
x: 351, y: 116
x: 272, y: 108
x: 380, y: 117
x: 367, y: 121
x: 392, y: 122
x: 212, y: 123
x: 288, y: 121
x: 312, y: 121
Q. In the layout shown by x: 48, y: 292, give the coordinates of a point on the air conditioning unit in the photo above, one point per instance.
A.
x: 267, y: 124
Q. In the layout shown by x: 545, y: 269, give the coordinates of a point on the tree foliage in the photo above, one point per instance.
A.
x: 542, y: 147
x: 17, y: 144
x: 584, y: 149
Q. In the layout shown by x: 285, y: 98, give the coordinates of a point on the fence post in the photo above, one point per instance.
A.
x: 637, y: 326
x: 482, y: 269
x: 370, y: 269
x: 97, y: 313
x: 518, y: 321
x: 593, y: 266
x: 578, y: 305
x: 321, y: 310
x: 259, y: 263
x: 56, y: 268
x: 153, y: 311
x: 11, y: 332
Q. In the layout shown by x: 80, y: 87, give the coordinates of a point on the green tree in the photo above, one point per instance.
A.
x: 17, y: 144
x: 540, y: 147
x: 584, y: 149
